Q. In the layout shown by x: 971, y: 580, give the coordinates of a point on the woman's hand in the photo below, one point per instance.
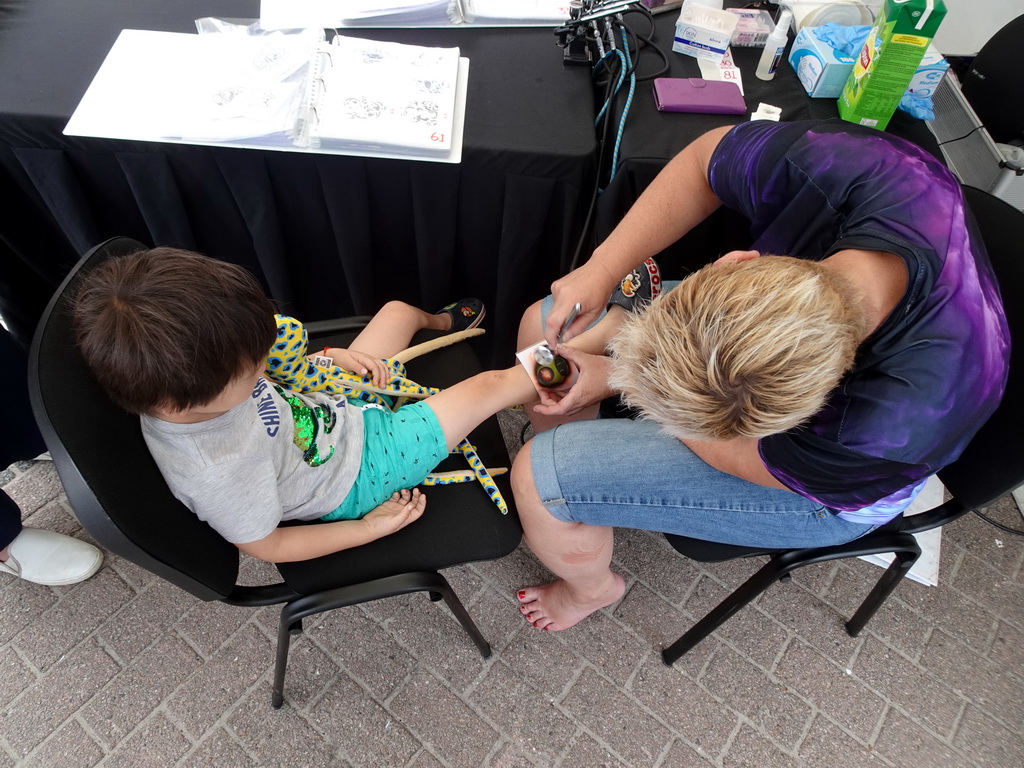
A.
x: 590, y: 286
x: 587, y: 384
x: 361, y: 364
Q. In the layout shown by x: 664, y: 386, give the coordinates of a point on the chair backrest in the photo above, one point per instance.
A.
x: 990, y: 81
x: 993, y: 462
x: 112, y: 482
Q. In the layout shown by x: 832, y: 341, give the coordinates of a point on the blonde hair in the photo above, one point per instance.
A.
x: 743, y: 349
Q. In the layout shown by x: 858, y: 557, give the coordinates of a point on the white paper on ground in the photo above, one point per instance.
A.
x: 926, y: 569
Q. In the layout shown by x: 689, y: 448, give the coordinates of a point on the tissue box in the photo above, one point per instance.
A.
x: 704, y: 32
x: 929, y: 72
x: 823, y: 71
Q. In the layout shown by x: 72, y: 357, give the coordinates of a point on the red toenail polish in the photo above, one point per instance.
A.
x: 522, y: 594
x: 536, y: 623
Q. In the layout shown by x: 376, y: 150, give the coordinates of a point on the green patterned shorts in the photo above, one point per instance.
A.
x: 400, y: 448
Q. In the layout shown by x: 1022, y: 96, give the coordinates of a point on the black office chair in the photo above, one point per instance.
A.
x: 989, y: 467
x: 990, y: 78
x: 120, y: 498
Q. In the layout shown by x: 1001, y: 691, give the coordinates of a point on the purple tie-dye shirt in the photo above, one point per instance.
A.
x: 933, y: 372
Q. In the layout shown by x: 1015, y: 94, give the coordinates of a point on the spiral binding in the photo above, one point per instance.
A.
x: 305, y: 133
x: 459, y: 13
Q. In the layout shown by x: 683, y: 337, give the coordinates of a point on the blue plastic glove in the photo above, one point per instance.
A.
x: 847, y: 40
x: 918, y: 106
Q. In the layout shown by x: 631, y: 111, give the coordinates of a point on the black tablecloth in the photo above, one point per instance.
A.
x: 332, y: 235
x: 651, y: 138
x: 327, y: 235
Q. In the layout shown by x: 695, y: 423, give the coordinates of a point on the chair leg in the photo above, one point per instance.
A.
x: 460, y: 612
x: 898, y: 568
x: 287, y: 627
x: 294, y: 612
x: 284, y: 639
x: 770, y: 572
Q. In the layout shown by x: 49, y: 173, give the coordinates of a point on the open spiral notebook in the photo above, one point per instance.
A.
x: 291, y: 92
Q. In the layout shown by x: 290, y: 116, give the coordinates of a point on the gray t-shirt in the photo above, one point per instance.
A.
x: 277, y: 456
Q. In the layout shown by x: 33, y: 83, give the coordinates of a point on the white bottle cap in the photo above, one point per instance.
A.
x: 785, y: 20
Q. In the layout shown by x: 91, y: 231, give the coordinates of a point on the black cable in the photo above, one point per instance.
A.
x: 602, y: 143
x: 645, y: 11
x: 661, y: 54
x: 611, y: 66
x: 605, y: 62
x: 641, y: 42
x: 961, y: 138
x: 1000, y: 526
x: 642, y: 10
x: 625, y: 46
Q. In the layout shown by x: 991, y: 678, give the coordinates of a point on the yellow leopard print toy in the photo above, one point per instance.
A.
x: 287, y: 364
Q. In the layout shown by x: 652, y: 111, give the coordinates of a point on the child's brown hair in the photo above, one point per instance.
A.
x: 169, y: 328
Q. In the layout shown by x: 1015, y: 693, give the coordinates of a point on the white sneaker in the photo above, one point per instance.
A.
x: 46, y: 557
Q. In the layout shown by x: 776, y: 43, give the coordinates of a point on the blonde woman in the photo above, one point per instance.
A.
x: 793, y: 400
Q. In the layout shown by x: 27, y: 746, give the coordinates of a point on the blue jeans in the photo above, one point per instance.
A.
x: 627, y: 473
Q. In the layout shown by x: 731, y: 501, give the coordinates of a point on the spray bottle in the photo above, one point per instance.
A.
x: 774, y: 47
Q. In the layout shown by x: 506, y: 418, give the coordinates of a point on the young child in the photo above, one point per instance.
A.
x: 181, y: 340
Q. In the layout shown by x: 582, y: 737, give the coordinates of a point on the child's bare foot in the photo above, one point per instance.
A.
x: 556, y: 606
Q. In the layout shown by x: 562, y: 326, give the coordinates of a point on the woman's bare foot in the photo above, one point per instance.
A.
x: 557, y: 606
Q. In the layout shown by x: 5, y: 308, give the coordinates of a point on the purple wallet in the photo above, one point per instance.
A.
x: 693, y: 94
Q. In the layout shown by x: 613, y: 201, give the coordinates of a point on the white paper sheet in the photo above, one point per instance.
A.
x: 403, y: 99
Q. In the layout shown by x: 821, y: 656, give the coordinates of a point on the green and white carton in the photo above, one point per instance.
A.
x: 894, y: 47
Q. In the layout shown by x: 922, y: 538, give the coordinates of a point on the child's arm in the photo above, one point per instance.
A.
x: 305, y: 542
x: 287, y: 363
x: 360, y: 363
